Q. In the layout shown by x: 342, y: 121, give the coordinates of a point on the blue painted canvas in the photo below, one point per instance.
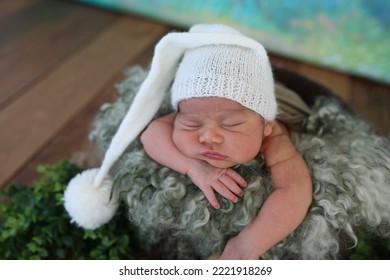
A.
x: 351, y: 36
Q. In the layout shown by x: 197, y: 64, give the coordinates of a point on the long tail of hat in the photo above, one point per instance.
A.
x: 88, y: 196
x: 144, y: 106
x: 167, y: 55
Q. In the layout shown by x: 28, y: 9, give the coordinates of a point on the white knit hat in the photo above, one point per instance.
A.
x: 233, y: 72
x: 246, y: 78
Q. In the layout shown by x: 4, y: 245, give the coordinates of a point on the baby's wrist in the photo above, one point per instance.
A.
x: 190, y: 166
x: 251, y: 243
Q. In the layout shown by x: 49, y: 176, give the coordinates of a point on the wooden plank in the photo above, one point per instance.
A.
x: 72, y: 142
x: 37, y: 38
x: 11, y: 7
x: 338, y: 82
x: 32, y: 120
x: 284, y: 62
x: 372, y: 101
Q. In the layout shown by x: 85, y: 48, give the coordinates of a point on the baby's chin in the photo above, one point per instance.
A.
x: 221, y: 163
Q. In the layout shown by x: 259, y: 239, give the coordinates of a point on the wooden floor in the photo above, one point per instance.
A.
x: 59, y: 62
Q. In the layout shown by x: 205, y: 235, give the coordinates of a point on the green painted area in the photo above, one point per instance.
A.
x: 351, y: 36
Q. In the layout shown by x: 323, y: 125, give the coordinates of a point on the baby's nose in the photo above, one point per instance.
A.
x: 210, y: 135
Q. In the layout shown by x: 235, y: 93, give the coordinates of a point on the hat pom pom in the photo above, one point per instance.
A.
x: 88, y: 205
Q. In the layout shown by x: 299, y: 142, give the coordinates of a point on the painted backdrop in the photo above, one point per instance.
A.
x: 347, y: 35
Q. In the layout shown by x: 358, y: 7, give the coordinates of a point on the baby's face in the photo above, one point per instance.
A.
x: 219, y: 131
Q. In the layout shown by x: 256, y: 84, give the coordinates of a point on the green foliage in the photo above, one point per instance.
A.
x: 35, y: 225
x: 370, y: 247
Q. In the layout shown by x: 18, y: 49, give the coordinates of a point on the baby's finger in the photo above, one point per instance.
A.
x: 220, y: 188
x: 229, y: 183
x: 210, y: 195
x: 236, y: 177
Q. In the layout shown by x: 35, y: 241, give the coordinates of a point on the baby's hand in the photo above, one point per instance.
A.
x: 224, y: 181
x: 239, y: 249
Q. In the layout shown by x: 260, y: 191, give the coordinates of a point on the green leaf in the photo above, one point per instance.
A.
x: 35, y: 225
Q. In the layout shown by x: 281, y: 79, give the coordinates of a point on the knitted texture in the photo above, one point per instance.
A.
x: 236, y: 73
x: 167, y: 55
x: 349, y: 164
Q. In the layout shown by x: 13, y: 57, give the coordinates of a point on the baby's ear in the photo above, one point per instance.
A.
x: 268, y: 127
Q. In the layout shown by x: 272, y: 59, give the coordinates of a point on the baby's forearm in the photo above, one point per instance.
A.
x: 285, y: 208
x: 158, y: 144
x: 279, y: 216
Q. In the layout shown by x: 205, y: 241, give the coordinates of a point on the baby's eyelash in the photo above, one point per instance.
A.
x: 192, y: 125
x: 232, y: 124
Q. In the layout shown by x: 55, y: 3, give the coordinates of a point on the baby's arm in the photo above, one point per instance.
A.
x: 285, y: 208
x: 158, y: 144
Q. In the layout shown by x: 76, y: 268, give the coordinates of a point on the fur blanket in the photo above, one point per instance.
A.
x: 349, y: 164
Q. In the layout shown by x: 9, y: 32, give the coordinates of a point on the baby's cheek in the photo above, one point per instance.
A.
x: 247, y: 149
x: 181, y: 141
x: 176, y: 138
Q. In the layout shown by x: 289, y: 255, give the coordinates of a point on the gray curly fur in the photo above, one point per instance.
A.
x: 349, y: 164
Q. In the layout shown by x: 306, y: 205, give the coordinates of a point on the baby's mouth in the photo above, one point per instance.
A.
x: 214, y: 155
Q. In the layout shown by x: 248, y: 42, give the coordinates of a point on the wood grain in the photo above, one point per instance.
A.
x: 59, y: 61
x: 11, y: 7
x: 39, y: 37
x: 72, y: 143
x: 45, y: 109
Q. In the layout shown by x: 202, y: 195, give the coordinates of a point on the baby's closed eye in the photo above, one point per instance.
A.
x: 189, y: 124
x: 232, y: 124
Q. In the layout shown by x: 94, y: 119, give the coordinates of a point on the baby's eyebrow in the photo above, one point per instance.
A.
x: 188, y: 117
x: 221, y: 112
x: 232, y: 113
x: 221, y: 116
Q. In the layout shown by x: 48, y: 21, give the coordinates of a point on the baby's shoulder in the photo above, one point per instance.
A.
x: 279, y: 132
x: 278, y: 145
x: 279, y: 129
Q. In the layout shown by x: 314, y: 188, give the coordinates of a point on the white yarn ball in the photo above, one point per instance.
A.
x: 88, y: 205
